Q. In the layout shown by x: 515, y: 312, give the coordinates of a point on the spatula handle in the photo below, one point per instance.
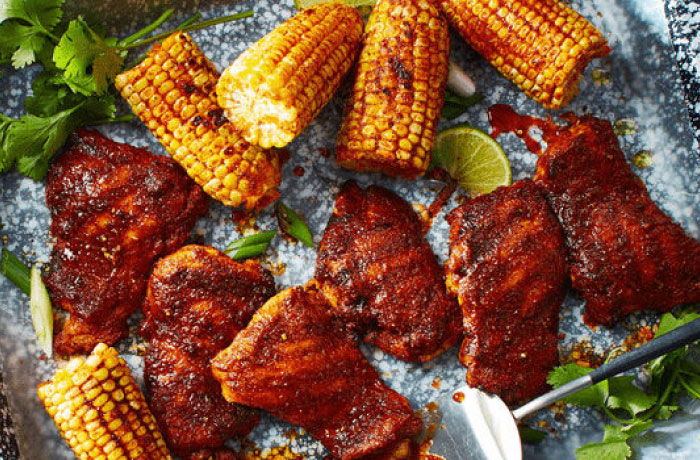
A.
x: 670, y: 341
x: 680, y: 337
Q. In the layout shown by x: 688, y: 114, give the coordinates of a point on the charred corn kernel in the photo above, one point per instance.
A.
x: 173, y: 92
x: 393, y: 110
x: 542, y: 46
x: 85, y: 399
x: 280, y: 84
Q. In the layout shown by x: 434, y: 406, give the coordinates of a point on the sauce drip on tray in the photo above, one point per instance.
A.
x: 504, y: 119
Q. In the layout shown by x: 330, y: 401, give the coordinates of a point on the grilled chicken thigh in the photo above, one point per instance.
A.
x: 382, y: 277
x: 625, y: 253
x: 507, y: 266
x: 114, y: 209
x: 296, y: 361
x: 198, y: 300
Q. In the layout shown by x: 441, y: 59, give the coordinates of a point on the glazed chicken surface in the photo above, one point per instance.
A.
x: 114, y: 209
x: 625, y: 253
x: 298, y: 362
x: 507, y: 266
x: 382, y: 277
x: 198, y: 300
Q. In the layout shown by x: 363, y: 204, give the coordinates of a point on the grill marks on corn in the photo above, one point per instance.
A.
x: 392, y: 113
x: 542, y: 46
x: 281, y: 83
x: 173, y: 92
x: 100, y: 410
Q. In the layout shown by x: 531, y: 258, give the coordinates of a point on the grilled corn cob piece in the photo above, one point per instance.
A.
x: 173, y: 92
x: 100, y: 410
x: 542, y: 46
x: 279, y: 85
x: 396, y: 101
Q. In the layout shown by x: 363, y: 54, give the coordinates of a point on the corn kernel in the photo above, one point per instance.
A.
x: 551, y: 34
x: 184, y: 114
x: 87, y: 422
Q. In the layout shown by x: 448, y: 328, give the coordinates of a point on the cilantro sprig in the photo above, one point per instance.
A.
x: 75, y: 87
x: 28, y: 29
x: 632, y: 409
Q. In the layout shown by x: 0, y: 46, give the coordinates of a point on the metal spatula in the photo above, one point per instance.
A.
x: 470, y: 424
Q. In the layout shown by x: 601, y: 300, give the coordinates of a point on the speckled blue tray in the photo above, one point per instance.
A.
x: 644, y: 87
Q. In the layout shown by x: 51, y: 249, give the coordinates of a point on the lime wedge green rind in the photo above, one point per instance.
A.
x: 472, y: 158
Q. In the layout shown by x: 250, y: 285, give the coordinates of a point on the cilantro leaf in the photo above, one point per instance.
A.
x: 34, y: 140
x: 25, y: 29
x: 97, y: 108
x: 50, y: 95
x: 625, y: 395
x: 595, y: 395
x: 614, y: 450
x: 6, y: 161
x: 45, y: 13
x: 666, y: 411
x: 531, y: 435
x: 21, y: 43
x: 614, y: 445
x: 89, y: 62
x: 669, y: 322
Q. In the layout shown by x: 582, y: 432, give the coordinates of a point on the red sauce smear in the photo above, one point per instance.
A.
x: 283, y: 156
x: 458, y: 397
x: 506, y: 120
x: 325, y: 153
x: 239, y: 215
x: 298, y: 171
x: 437, y: 204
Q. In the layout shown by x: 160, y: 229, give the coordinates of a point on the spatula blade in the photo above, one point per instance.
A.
x: 469, y: 424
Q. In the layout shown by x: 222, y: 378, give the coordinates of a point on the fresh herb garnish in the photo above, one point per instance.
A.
x: 15, y: 270
x: 632, y: 408
x: 250, y: 246
x: 30, y: 282
x: 531, y: 435
x: 614, y: 445
x: 89, y: 62
x: 293, y: 224
x: 42, y: 313
x: 27, y: 30
x: 74, y: 89
x: 456, y: 105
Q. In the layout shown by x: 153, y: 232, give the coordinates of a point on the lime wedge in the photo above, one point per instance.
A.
x: 301, y: 4
x: 472, y: 158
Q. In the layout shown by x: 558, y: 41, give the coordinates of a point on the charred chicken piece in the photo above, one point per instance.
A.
x: 296, y: 361
x: 382, y: 277
x: 625, y: 253
x: 198, y: 300
x: 507, y: 266
x: 115, y: 209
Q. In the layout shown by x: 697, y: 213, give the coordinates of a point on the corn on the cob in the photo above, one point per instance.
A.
x: 279, y: 85
x: 100, y: 410
x: 542, y: 46
x: 393, y: 111
x: 173, y: 92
